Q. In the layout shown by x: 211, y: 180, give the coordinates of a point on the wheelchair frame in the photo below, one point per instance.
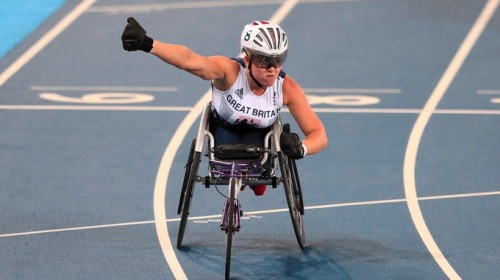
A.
x: 259, y: 166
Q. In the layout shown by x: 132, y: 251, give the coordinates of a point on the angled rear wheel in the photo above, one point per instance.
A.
x: 187, y: 190
x: 293, y: 192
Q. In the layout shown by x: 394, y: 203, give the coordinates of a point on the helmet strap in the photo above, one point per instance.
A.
x: 251, y: 74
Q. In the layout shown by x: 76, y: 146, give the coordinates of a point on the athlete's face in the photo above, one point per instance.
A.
x: 265, y: 70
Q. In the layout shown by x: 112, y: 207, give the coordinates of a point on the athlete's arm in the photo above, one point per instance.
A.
x: 295, y: 99
x: 207, y: 68
x: 219, y: 69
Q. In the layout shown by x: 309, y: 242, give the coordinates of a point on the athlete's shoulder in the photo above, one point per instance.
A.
x: 282, y: 74
x: 240, y: 61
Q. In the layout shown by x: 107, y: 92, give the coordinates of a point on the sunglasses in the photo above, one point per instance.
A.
x: 265, y: 62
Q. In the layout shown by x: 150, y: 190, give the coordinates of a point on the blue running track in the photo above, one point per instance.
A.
x: 93, y: 142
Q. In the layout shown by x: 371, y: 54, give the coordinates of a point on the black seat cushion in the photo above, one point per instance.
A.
x: 238, y: 151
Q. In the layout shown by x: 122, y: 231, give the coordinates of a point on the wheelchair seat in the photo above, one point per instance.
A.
x: 238, y: 152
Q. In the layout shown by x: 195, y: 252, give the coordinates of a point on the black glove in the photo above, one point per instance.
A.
x: 290, y: 143
x: 134, y: 37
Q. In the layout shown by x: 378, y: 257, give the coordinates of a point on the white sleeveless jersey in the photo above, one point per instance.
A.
x: 239, y: 105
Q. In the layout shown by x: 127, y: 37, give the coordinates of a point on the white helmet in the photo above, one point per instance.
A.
x: 264, y: 38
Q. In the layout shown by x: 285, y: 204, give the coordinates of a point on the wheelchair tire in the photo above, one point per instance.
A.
x: 296, y: 183
x: 230, y: 226
x: 187, y: 169
x: 293, y: 194
x: 187, y: 191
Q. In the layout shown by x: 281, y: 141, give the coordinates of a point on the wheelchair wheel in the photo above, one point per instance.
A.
x: 230, y: 226
x: 296, y: 183
x: 293, y: 194
x: 187, y: 190
x: 187, y: 168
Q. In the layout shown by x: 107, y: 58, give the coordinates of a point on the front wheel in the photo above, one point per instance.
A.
x: 230, y: 225
x: 293, y: 194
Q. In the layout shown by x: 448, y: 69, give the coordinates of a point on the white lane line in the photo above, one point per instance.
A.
x: 102, y: 88
x: 168, y: 158
x: 466, y: 112
x: 136, y: 8
x: 189, y: 108
x: 418, y: 131
x: 488, y: 91
x: 96, y: 108
x: 75, y: 229
x: 146, y: 8
x: 161, y: 186
x: 45, y: 40
x: 271, y: 211
x: 367, y: 110
x: 353, y: 90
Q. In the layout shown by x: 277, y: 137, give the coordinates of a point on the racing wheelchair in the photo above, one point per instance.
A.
x: 235, y: 165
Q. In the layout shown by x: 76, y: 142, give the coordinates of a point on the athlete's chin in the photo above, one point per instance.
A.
x: 269, y: 81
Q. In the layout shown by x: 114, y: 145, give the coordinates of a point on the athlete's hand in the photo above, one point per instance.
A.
x: 290, y: 143
x: 134, y: 37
